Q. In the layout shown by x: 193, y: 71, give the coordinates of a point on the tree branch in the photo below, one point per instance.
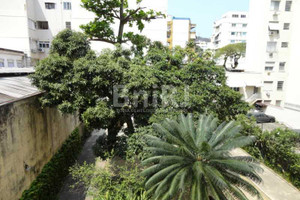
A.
x: 134, y: 12
x: 104, y: 40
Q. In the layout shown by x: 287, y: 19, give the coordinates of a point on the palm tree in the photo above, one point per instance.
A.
x: 192, y: 161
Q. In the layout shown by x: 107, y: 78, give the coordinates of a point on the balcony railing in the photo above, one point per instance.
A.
x: 255, y: 97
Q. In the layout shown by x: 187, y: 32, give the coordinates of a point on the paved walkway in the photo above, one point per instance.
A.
x: 86, y: 155
x: 274, y: 187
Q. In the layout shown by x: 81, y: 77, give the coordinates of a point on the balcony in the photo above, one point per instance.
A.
x: 193, y: 26
x: 193, y: 35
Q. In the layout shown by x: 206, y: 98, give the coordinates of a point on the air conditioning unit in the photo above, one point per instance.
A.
x: 270, y: 55
x: 41, y: 50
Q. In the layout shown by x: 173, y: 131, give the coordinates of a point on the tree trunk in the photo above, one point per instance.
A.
x: 113, y: 131
x: 225, y: 61
x: 129, y: 123
x: 121, y: 25
x: 236, y: 62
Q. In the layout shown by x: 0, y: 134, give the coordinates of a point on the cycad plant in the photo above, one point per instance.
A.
x: 192, y: 160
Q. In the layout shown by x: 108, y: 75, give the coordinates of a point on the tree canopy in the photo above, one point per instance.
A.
x: 117, y: 87
x: 234, y: 51
x: 110, y: 12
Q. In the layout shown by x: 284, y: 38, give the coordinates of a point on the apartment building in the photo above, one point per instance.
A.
x: 180, y: 31
x: 204, y: 43
x: 30, y: 25
x: 230, y: 29
x: 273, y: 51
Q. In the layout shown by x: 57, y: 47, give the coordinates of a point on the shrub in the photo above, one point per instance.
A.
x: 49, y: 182
x: 108, y: 183
x: 101, y: 147
x: 276, y: 149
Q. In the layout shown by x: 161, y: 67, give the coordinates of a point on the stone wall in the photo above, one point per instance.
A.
x: 29, y: 136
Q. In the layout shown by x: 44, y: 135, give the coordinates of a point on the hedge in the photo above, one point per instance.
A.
x: 49, y: 182
x: 277, y: 149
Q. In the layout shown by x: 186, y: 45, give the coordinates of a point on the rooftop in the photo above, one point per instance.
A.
x: 12, y: 51
x: 16, y: 88
x: 16, y: 70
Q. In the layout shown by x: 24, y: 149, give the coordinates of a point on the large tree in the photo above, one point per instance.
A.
x: 191, y: 160
x: 117, y: 12
x: 234, y: 51
x: 77, y: 80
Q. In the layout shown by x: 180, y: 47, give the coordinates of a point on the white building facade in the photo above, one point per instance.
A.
x: 30, y: 25
x: 273, y: 51
x: 230, y: 29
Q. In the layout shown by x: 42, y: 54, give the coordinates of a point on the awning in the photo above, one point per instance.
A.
x: 255, y: 83
x: 274, y: 26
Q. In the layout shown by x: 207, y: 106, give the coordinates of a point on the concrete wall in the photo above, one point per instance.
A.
x: 29, y: 136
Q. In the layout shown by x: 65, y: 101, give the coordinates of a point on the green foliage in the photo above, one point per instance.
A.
x: 101, y: 147
x: 119, y: 12
x: 276, y: 149
x: 192, y: 160
x: 71, y: 44
x: 86, y: 84
x: 235, y: 51
x: 108, y: 183
x: 48, y: 183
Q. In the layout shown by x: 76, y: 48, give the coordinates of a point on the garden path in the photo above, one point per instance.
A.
x: 86, y: 155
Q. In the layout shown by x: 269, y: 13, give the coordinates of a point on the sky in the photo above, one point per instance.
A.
x: 205, y: 12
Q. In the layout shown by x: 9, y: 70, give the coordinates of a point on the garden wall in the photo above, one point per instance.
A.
x: 29, y: 137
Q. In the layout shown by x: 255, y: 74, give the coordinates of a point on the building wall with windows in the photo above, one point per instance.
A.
x: 180, y: 31
x: 30, y: 25
x: 11, y: 59
x: 230, y: 29
x: 272, y: 50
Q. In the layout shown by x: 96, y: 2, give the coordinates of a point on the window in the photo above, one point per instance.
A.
x: 243, y: 41
x: 278, y: 103
x: 288, y: 5
x: 232, y: 41
x: 244, y: 33
x: 271, y: 47
x: 275, y: 5
x: 279, y: 85
x: 1, y: 62
x: 243, y: 16
x: 44, y: 44
x: 68, y: 25
x: 244, y: 25
x: 19, y: 63
x: 67, y: 6
x: 50, y: 5
x: 284, y: 44
x: 281, y: 66
x: 42, y: 25
x: 237, y: 89
x: 268, y: 102
x: 286, y: 26
x: 270, y: 63
x: 232, y: 33
x: 10, y: 63
x: 269, y: 68
x: 235, y: 16
x: 268, y: 85
x: 233, y: 25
